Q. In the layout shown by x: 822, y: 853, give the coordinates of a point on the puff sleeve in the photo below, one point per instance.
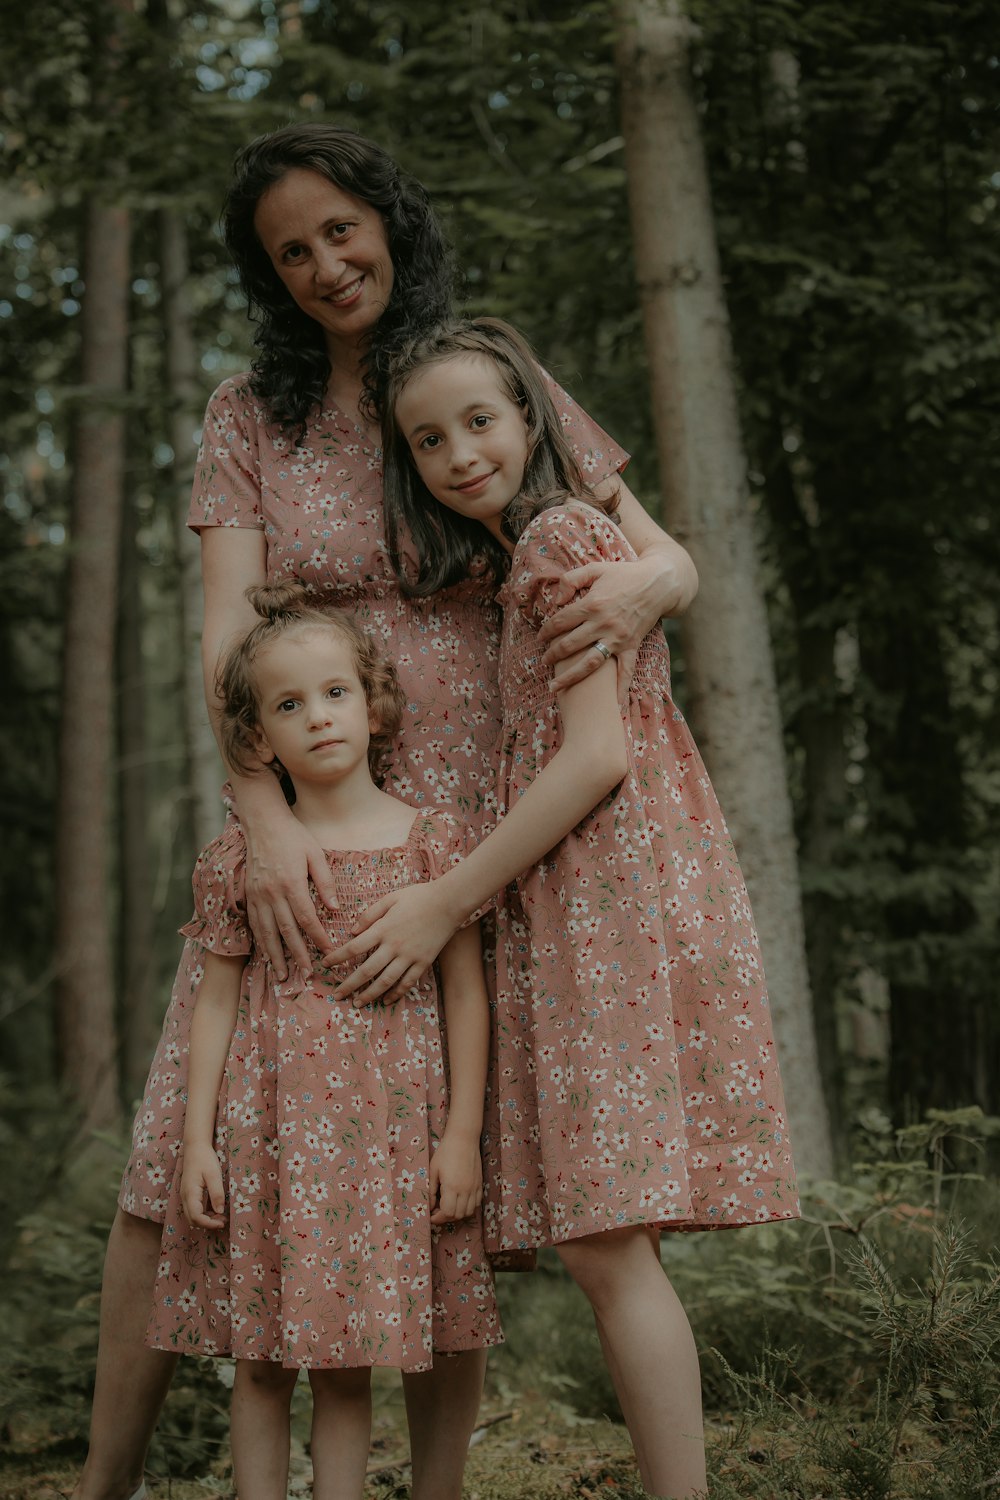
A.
x: 220, y: 919
x: 227, y: 478
x: 597, y: 454
x: 564, y: 537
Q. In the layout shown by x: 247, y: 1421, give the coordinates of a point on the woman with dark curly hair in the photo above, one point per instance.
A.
x: 340, y: 257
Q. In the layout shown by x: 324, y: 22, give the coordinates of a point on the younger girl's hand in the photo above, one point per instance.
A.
x: 281, y: 858
x: 402, y: 934
x: 456, y: 1178
x: 203, y: 1197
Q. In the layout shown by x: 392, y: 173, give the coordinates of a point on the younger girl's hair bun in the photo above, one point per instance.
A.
x: 282, y: 601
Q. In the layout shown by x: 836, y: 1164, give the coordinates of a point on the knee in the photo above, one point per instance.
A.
x: 341, y: 1385
x: 604, y: 1266
x: 266, y: 1378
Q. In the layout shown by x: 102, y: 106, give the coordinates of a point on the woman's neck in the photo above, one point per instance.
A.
x: 345, y: 384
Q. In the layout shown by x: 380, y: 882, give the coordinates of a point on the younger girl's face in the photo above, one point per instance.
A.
x: 313, y: 713
x: 468, y: 439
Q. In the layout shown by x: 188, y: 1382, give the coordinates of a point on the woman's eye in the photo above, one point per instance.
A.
x: 339, y: 230
x: 293, y: 254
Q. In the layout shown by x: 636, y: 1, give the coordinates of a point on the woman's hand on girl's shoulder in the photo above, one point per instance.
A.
x: 281, y: 861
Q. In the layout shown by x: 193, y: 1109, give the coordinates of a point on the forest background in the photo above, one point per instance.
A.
x: 854, y: 174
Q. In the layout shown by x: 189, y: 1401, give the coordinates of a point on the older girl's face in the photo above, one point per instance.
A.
x: 332, y: 253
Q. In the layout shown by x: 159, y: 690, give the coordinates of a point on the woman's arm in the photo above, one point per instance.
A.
x: 202, y: 1193
x: 456, y: 1185
x: 404, y: 932
x: 281, y: 854
x: 618, y: 603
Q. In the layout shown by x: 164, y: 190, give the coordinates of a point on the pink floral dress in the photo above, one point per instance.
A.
x: 319, y: 505
x: 637, y: 1081
x: 327, y: 1122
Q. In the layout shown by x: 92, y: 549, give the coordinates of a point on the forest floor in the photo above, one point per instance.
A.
x: 532, y: 1449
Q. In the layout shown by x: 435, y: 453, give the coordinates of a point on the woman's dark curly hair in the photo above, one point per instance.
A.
x: 290, y: 372
x: 445, y: 542
x: 282, y: 607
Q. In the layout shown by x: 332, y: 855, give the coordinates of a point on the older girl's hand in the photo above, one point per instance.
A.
x: 282, y: 857
x: 399, y: 937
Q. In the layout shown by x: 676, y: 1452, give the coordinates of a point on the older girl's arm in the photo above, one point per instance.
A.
x: 405, y: 931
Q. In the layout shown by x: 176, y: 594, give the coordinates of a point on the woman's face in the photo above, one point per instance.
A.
x: 331, y: 251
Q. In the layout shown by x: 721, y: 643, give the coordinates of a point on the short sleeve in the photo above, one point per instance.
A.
x: 220, y: 918
x: 563, y: 537
x: 227, y: 482
x: 596, y: 454
x: 443, y: 841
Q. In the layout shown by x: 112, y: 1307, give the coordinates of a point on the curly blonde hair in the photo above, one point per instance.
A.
x: 288, y: 606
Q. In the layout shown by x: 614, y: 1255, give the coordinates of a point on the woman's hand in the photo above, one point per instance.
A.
x: 203, y: 1196
x: 456, y: 1177
x: 402, y: 934
x: 617, y: 603
x: 281, y: 859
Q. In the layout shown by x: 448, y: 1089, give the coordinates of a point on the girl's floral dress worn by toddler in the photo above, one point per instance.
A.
x: 636, y: 1080
x: 328, y: 1118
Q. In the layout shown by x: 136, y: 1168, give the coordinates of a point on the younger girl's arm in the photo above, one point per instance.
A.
x: 456, y: 1185
x: 202, y: 1194
x: 406, y: 930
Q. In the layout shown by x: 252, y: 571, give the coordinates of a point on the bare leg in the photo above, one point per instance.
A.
x: 261, y: 1429
x: 341, y: 1432
x: 132, y: 1380
x: 441, y: 1410
x: 650, y: 1353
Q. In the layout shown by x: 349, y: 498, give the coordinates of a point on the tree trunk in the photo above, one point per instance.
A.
x: 135, y: 945
x: 727, y: 646
x: 85, y: 1030
x: 203, y: 766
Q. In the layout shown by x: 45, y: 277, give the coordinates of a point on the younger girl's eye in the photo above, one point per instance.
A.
x: 287, y: 706
x: 335, y: 692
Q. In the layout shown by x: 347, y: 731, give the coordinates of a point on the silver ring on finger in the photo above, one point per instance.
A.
x: 602, y: 648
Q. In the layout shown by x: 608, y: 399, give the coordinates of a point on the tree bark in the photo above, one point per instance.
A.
x: 135, y: 944
x: 203, y: 766
x: 728, y: 655
x: 85, y: 1029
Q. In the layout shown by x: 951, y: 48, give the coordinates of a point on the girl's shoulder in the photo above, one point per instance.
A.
x: 559, y: 538
x: 441, y: 840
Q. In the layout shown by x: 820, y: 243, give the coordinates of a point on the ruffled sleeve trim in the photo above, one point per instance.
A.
x: 220, y: 921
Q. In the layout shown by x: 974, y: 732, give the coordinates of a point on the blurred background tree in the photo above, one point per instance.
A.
x: 852, y: 154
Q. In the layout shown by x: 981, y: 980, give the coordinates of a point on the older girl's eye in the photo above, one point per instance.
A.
x: 480, y: 421
x: 429, y: 443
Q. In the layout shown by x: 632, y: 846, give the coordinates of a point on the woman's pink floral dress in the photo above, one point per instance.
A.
x: 319, y: 506
x: 637, y: 1080
x: 328, y: 1118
